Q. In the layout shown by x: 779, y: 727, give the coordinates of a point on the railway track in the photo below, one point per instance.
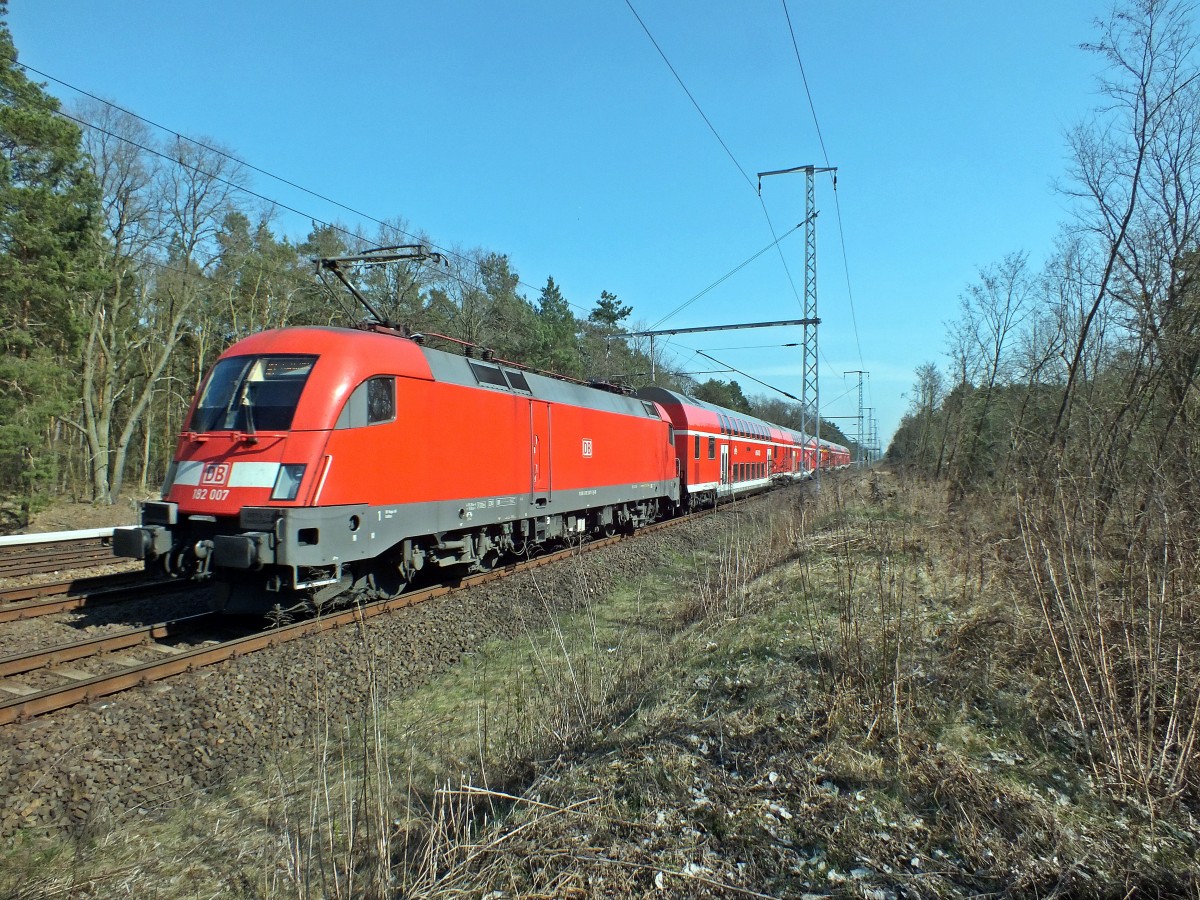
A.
x: 31, y: 601
x: 103, y: 651
x: 36, y: 554
x: 84, y: 687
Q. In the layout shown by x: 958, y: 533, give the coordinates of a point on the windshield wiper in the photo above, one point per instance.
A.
x: 248, y: 407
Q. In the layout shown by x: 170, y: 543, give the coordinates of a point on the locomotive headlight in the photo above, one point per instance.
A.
x: 287, y: 482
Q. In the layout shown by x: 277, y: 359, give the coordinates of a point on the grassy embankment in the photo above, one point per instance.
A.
x: 842, y: 695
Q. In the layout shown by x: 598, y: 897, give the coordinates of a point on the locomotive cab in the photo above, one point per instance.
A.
x: 237, y: 462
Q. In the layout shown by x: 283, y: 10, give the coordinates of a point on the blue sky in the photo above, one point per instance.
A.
x: 555, y: 133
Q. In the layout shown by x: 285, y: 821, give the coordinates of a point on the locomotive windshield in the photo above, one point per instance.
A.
x: 252, y: 393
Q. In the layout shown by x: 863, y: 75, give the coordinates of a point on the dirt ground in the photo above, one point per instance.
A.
x: 68, y: 516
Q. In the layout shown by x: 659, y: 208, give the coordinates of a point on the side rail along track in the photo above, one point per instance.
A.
x: 86, y: 690
x: 45, y: 599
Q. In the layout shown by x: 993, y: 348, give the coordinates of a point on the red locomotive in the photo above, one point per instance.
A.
x: 316, y: 460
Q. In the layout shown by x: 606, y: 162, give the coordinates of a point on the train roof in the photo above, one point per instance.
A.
x: 348, y: 356
x: 669, y: 399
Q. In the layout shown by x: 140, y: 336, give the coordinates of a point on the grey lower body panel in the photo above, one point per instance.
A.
x: 297, y: 548
x: 320, y: 536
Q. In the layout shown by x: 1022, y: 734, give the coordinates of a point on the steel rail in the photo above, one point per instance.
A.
x: 93, y: 584
x: 20, y: 663
x: 89, y: 596
x: 50, y: 552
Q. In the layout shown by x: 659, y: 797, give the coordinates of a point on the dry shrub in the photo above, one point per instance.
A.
x: 1119, y: 600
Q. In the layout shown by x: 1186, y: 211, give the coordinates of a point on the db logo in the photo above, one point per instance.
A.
x: 215, y: 473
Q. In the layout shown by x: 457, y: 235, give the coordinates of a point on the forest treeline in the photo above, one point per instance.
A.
x: 129, y: 261
x: 1069, y: 406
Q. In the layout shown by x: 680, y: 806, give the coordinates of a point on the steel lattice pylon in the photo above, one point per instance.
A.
x: 810, y: 396
x: 810, y: 391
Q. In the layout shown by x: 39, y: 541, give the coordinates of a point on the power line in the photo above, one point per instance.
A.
x: 804, y: 78
x: 354, y: 236
x: 725, y: 277
x: 234, y: 185
x: 319, y: 196
x: 751, y: 377
x: 707, y: 122
x: 724, y: 146
x: 836, y: 202
x: 754, y: 347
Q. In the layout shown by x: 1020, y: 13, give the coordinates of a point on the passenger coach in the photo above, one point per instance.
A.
x: 723, y: 453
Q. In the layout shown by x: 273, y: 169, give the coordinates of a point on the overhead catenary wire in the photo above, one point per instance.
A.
x: 776, y: 238
x: 825, y: 154
x: 724, y: 146
x: 725, y: 277
x: 355, y: 236
x: 748, y: 375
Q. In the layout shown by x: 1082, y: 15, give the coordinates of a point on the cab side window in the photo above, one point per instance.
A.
x: 373, y: 402
x: 381, y: 400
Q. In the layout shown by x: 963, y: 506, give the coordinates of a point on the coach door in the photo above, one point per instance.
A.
x: 539, y: 427
x: 724, y: 464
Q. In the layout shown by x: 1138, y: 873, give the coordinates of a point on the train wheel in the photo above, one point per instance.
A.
x: 386, y: 580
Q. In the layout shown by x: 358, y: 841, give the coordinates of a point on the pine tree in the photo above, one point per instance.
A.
x: 48, y: 252
x: 609, y: 311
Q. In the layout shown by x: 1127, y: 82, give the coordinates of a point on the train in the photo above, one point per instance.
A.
x: 324, y: 463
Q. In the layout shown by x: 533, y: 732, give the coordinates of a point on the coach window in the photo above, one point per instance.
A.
x: 696, y: 453
x: 712, y: 448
